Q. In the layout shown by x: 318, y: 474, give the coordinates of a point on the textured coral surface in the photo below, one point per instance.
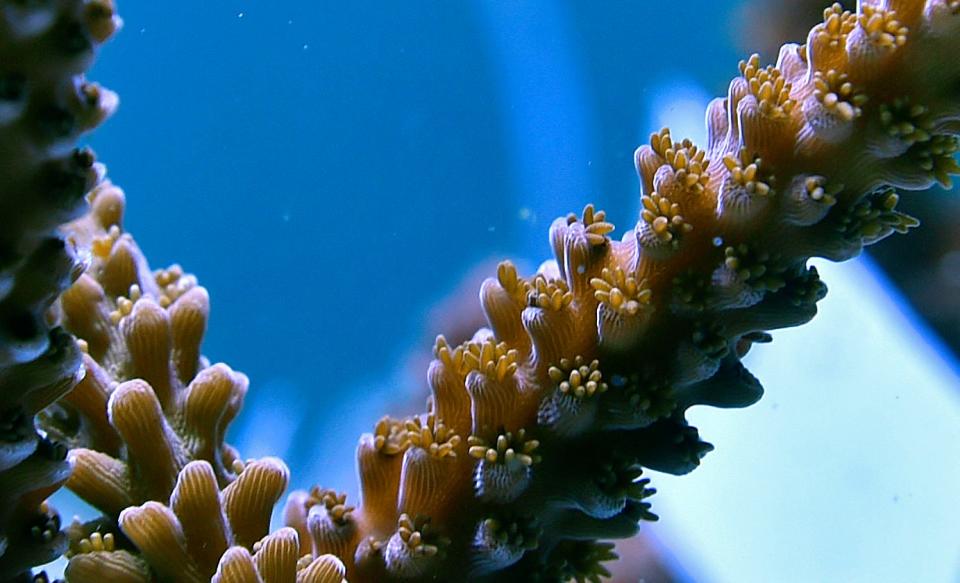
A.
x: 146, y: 428
x: 539, y: 427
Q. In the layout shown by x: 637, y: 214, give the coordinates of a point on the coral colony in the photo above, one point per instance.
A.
x: 538, y: 429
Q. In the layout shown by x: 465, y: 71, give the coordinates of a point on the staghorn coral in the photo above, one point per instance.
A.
x: 149, y: 402
x: 588, y: 366
x: 146, y: 428
x: 45, y: 105
x: 539, y: 427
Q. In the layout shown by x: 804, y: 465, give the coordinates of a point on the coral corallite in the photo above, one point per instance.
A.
x: 539, y: 427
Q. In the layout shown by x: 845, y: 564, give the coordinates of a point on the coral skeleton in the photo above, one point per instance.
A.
x: 531, y: 453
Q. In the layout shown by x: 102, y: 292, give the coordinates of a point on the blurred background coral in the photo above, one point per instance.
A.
x: 342, y: 175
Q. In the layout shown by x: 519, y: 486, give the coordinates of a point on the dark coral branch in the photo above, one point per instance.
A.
x: 45, y: 106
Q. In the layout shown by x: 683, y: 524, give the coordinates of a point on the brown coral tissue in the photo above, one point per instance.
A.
x: 540, y: 427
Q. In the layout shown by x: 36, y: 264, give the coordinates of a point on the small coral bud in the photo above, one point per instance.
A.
x: 793, y: 305
x: 620, y: 479
x: 427, y: 475
x: 236, y: 566
x: 718, y: 124
x: 601, y: 484
x: 277, y: 554
x: 249, y: 499
x: 446, y: 375
x: 550, y: 322
x: 873, y: 218
x: 698, y: 357
x: 173, y: 283
x: 322, y: 569
x: 621, y: 292
x: 573, y: 524
x: 188, y: 324
x: 827, y: 41
x: 661, y: 225
x: 121, y: 268
x: 769, y: 87
x: 878, y: 34
x: 503, y: 299
x: 295, y: 516
x: 330, y: 522
x: 808, y: 199
x: 579, y: 243
x: 504, y: 468
x: 935, y: 159
x: 116, y: 566
x: 595, y: 224
x: 369, y: 559
x: 207, y: 410
x: 636, y: 401
x: 649, y: 158
x: 624, y: 308
x: 156, y: 532
x: 746, y: 190
x: 379, y: 462
x: 491, y: 383
x: 833, y: 105
x: 101, y: 19
x: 745, y: 276
x: 148, y: 337
x: 903, y: 123
x: 684, y: 169
x: 549, y: 294
x: 571, y: 407
x: 107, y: 204
x: 100, y: 480
x: 430, y: 434
x: 153, y: 449
x: 196, y: 502
x: 906, y: 121
x: 84, y: 314
x: 881, y: 26
x: 413, y: 548
x: 792, y: 62
x: 491, y: 358
x: 501, y: 542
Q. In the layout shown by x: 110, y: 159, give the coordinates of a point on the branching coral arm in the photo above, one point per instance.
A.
x: 540, y: 426
x: 45, y: 105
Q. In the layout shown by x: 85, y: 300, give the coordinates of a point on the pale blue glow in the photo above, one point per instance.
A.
x: 679, y: 103
x: 846, y: 471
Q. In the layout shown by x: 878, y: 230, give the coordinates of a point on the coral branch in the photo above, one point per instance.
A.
x: 593, y: 361
x: 45, y: 105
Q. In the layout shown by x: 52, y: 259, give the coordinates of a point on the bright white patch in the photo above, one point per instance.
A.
x: 846, y: 470
x: 679, y: 104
